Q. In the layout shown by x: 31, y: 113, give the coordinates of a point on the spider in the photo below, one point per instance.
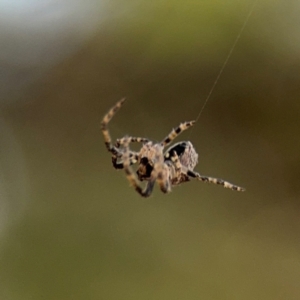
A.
x: 170, y: 168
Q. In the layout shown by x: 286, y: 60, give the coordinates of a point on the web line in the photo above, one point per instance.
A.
x: 226, y: 60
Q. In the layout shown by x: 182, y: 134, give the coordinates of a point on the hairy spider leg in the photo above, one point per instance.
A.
x: 131, y: 175
x: 176, y: 167
x: 133, y: 157
x: 162, y: 173
x: 116, y: 153
x: 222, y: 182
x: 130, y: 139
x: 106, y: 119
x: 176, y: 131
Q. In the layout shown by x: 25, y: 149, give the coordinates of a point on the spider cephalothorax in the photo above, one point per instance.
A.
x: 168, y: 169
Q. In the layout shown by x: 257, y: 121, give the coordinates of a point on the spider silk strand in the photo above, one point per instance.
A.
x: 226, y: 60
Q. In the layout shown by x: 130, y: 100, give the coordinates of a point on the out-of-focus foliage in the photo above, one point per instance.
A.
x: 71, y: 227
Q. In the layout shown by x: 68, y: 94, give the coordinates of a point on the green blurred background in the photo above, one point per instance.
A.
x: 70, y: 225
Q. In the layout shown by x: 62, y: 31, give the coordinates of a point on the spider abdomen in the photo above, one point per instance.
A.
x: 186, y: 152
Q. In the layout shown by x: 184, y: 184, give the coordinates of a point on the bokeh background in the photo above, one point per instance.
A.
x: 70, y: 225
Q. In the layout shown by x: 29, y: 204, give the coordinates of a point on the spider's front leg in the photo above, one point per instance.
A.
x: 104, y: 127
x: 133, y: 157
x: 131, y: 175
x: 163, y: 177
x: 222, y: 182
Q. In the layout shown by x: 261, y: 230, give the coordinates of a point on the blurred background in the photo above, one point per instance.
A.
x: 70, y: 225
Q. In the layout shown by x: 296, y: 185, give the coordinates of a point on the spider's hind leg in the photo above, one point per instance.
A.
x: 133, y: 157
x: 222, y: 182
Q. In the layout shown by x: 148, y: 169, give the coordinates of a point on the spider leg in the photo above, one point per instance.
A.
x: 130, y: 139
x: 176, y: 167
x: 163, y: 180
x: 106, y: 119
x: 163, y: 175
x: 131, y: 175
x: 175, y: 159
x: 176, y: 131
x: 148, y: 189
x: 222, y: 182
x: 133, y: 156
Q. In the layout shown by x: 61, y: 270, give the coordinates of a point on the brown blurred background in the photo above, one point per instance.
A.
x: 70, y: 225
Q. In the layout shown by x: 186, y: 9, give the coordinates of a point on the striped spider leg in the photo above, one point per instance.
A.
x: 104, y: 127
x: 115, y: 150
x: 213, y: 180
x: 184, y: 156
